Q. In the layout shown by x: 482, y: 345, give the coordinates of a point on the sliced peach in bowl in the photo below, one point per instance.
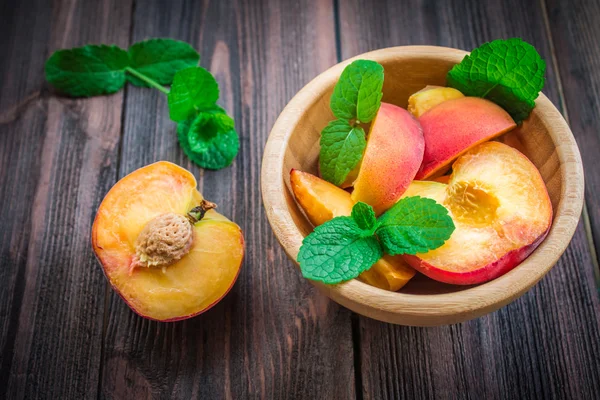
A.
x: 500, y: 207
x: 454, y: 126
x: 322, y: 201
x: 162, y: 247
x: 429, y: 97
x: 392, y: 158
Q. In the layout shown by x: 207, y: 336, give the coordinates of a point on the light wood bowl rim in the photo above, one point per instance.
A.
x: 430, y: 309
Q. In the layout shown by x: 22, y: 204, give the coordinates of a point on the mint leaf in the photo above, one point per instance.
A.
x: 193, y: 89
x: 342, y: 147
x: 87, y: 71
x: 364, y: 216
x: 508, y: 72
x: 160, y: 59
x: 414, y: 225
x: 209, y: 139
x: 357, y: 93
x: 337, y: 251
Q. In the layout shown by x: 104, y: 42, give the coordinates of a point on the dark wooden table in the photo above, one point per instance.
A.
x: 65, y: 335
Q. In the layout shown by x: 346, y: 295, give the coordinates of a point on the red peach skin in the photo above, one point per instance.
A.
x: 392, y: 158
x: 453, y: 127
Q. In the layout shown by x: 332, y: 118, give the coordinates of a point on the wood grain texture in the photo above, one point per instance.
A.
x: 273, y: 336
x: 574, y: 30
x: 544, y: 345
x: 57, y: 158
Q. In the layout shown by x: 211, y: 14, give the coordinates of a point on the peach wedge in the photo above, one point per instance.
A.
x: 429, y: 97
x: 392, y: 158
x: 322, y: 201
x: 501, y: 210
x: 454, y: 126
x: 161, y: 246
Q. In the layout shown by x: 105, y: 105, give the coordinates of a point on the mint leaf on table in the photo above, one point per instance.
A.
x: 414, y: 225
x: 193, y: 89
x: 342, y: 147
x: 337, y: 251
x: 357, y: 93
x: 87, y: 71
x: 364, y: 216
x: 508, y: 72
x: 160, y: 59
x: 209, y: 139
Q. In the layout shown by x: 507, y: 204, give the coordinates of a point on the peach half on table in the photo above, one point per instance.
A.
x: 322, y: 201
x: 501, y: 210
x: 391, y: 160
x: 162, y: 247
x: 452, y: 127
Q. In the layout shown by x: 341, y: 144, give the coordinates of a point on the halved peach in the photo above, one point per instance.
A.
x: 152, y: 203
x: 430, y: 96
x: 454, y: 126
x: 392, y: 158
x: 322, y: 201
x: 501, y: 210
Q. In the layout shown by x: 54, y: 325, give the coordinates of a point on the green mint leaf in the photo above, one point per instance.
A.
x: 337, y: 251
x: 193, y: 89
x: 508, y: 72
x: 342, y: 147
x: 87, y: 71
x: 357, y: 93
x: 209, y: 139
x: 414, y: 225
x: 160, y: 59
x: 364, y: 216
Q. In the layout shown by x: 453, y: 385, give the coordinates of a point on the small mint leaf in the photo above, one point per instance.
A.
x: 414, y: 225
x: 364, y: 216
x: 160, y: 59
x: 342, y: 147
x: 209, y: 139
x: 337, y: 251
x: 357, y: 93
x: 87, y: 71
x: 508, y: 72
x: 193, y: 89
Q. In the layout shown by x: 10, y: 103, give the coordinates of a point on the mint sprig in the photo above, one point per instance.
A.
x: 344, y: 247
x: 356, y: 99
x: 206, y: 133
x: 508, y: 72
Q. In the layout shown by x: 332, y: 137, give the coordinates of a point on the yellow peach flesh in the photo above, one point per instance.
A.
x: 187, y: 287
x: 322, y: 201
x: 429, y: 97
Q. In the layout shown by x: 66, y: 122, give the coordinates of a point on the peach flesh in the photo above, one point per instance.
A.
x: 191, y: 285
x: 454, y: 126
x: 429, y: 97
x: 322, y: 201
x: 501, y: 209
x: 392, y: 158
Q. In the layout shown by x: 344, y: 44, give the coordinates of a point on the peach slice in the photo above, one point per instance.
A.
x: 322, y: 201
x: 454, y: 126
x: 392, y: 158
x: 165, y: 266
x: 501, y: 210
x: 429, y: 97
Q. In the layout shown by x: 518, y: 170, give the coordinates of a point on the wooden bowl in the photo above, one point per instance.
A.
x: 294, y: 143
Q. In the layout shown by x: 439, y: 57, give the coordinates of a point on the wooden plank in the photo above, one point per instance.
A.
x: 544, y: 345
x: 273, y: 336
x: 57, y: 159
x: 574, y: 30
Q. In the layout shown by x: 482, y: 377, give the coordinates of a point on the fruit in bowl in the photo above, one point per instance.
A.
x: 483, y: 199
x: 163, y: 247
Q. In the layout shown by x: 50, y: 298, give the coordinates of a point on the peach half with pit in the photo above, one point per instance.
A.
x: 163, y: 247
x: 322, y: 201
x: 500, y: 208
x: 392, y: 158
x: 454, y: 126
